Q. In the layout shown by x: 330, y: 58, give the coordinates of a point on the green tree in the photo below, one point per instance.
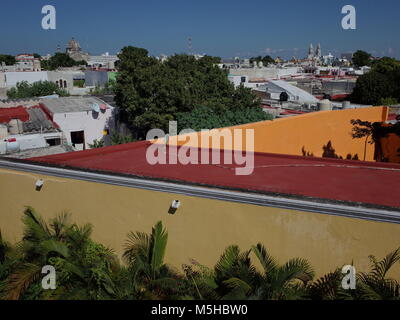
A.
x: 238, y: 278
x: 372, y: 285
x: 361, y: 58
x: 7, y: 59
x: 59, y: 60
x: 144, y: 254
x: 37, y: 89
x: 208, y: 118
x: 97, y: 144
x: 84, y: 268
x: 265, y: 60
x: 151, y: 93
x: 372, y: 87
x: 386, y: 65
x: 119, y: 138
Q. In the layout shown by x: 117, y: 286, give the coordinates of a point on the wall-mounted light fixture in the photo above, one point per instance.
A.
x: 39, y: 184
x: 174, y: 206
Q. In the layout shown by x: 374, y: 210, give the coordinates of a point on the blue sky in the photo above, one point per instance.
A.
x: 217, y: 27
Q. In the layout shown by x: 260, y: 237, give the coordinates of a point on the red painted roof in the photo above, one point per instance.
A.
x: 343, y: 180
x: 7, y: 114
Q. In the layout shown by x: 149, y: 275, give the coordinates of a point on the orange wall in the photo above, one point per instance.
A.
x: 391, y: 147
x: 311, y: 131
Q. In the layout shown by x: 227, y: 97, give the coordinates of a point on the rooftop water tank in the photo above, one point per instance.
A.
x: 15, y: 126
x: 324, y: 105
x: 12, y: 145
x: 346, y: 104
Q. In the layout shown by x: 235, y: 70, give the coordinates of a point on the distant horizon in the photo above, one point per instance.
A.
x: 224, y: 28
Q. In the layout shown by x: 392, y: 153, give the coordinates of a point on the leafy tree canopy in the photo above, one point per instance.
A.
x: 37, y: 89
x: 7, y: 59
x: 207, y: 118
x: 379, y: 86
x: 265, y: 60
x: 61, y: 60
x: 361, y: 58
x: 151, y: 93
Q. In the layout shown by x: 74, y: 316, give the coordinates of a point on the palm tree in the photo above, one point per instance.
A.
x: 144, y: 255
x: 83, y: 267
x: 238, y: 278
x: 8, y: 258
x: 373, y: 285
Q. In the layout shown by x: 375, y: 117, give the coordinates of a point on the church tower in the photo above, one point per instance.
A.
x: 311, y: 52
x: 318, y: 52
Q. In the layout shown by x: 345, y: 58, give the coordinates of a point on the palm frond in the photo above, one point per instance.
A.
x: 297, y: 268
x: 381, y: 268
x: 227, y: 260
x: 137, y: 245
x: 326, y: 287
x: 21, y: 279
x: 60, y: 224
x: 78, y: 236
x: 55, y: 246
x: 35, y: 228
x: 4, y: 248
x: 158, y: 245
x: 236, y: 283
x: 267, y: 261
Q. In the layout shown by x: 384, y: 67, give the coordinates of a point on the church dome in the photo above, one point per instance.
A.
x: 73, y: 45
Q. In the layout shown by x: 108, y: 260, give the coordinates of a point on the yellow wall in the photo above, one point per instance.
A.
x: 201, y: 228
x: 312, y: 131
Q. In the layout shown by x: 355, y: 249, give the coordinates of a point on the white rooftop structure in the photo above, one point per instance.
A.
x: 71, y: 104
x: 276, y: 87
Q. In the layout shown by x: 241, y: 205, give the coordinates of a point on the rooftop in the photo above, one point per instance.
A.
x: 34, y: 119
x: 38, y: 121
x: 70, y: 104
x: 319, y: 179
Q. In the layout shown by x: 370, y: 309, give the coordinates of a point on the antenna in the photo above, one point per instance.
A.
x: 190, y: 45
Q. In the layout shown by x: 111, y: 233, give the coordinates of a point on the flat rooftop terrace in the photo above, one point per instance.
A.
x: 356, y: 182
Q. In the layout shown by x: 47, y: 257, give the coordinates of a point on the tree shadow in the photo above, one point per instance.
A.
x: 329, y: 152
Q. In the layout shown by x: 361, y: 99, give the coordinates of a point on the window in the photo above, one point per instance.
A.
x: 78, y: 137
x: 53, y: 141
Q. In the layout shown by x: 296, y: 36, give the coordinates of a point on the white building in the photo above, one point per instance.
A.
x: 265, y: 72
x: 27, y: 130
x: 275, y: 87
x: 27, y: 62
x: 10, y: 79
x: 81, y: 119
x: 103, y: 61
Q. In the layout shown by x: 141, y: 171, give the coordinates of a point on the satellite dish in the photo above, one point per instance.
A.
x: 96, y: 107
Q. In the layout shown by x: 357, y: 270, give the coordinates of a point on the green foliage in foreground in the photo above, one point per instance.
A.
x: 37, y: 89
x: 88, y: 270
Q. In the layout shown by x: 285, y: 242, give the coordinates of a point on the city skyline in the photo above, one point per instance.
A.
x: 223, y: 29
